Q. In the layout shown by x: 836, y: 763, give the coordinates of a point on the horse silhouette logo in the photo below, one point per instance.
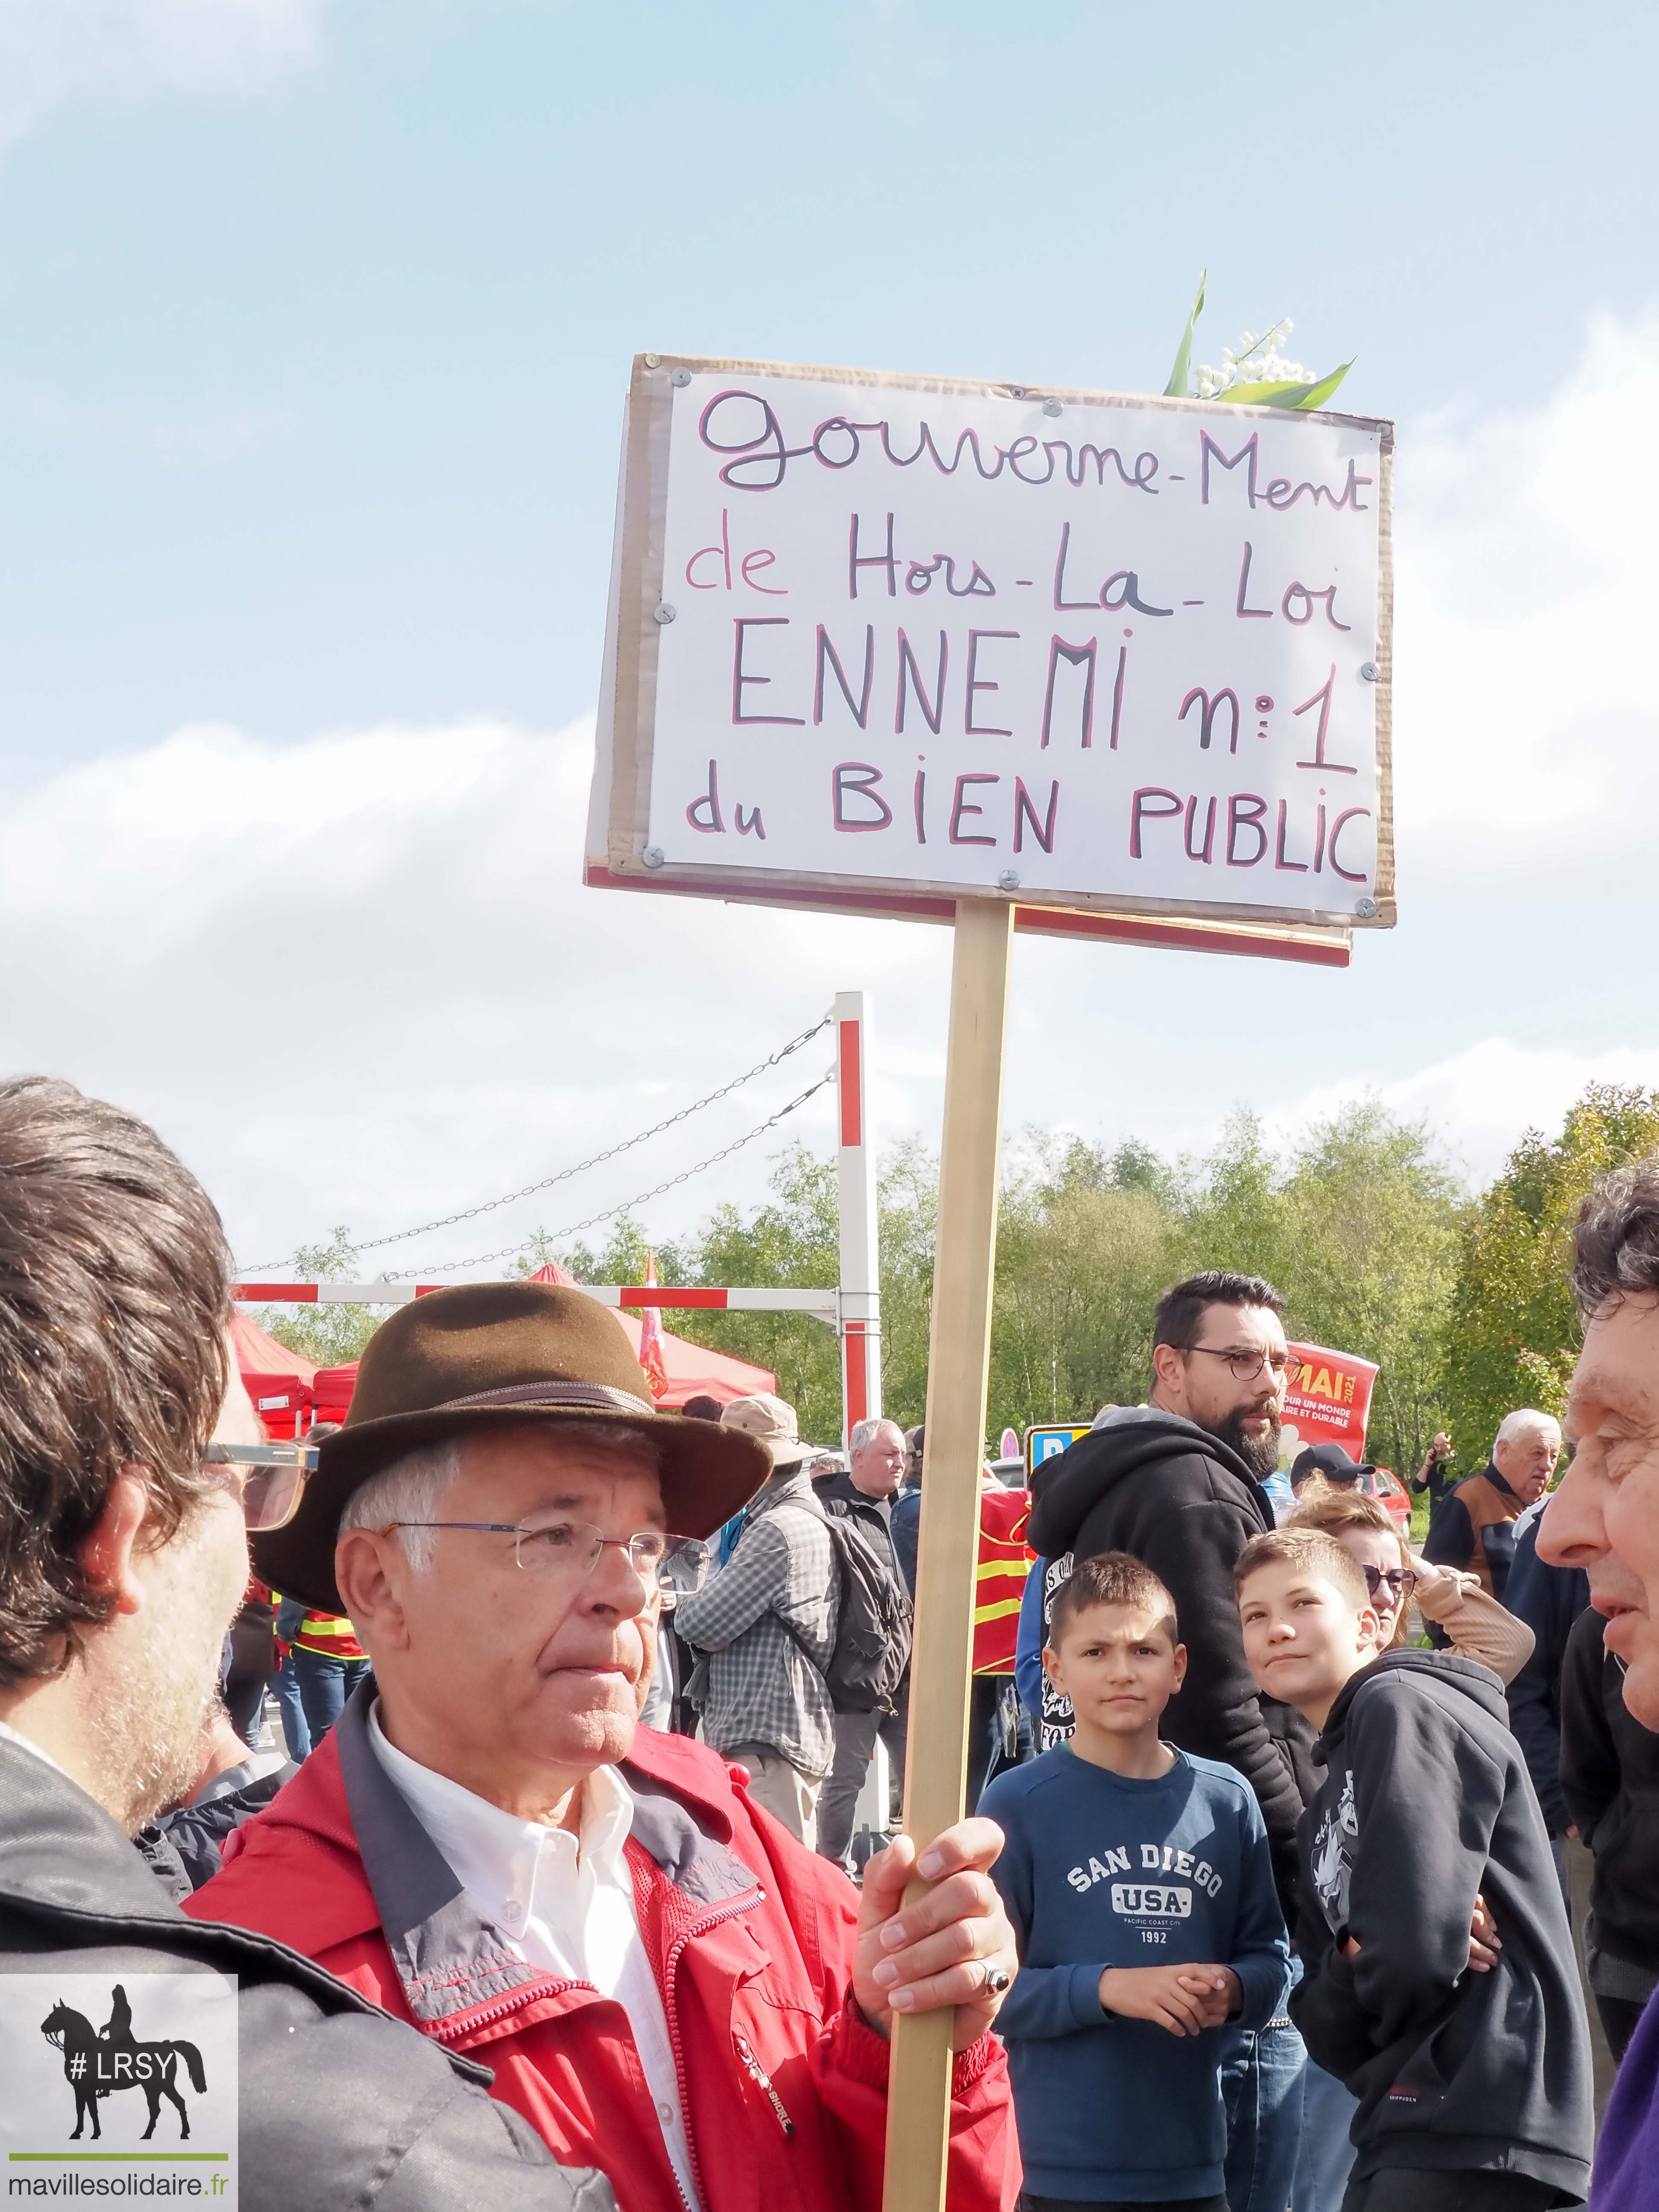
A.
x: 99, y: 2061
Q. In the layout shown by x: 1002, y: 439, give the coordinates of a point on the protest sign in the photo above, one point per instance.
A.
x: 1328, y: 1400
x: 946, y: 650
x: 896, y: 635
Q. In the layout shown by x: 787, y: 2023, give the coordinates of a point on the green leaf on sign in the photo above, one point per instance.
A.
x: 1177, y: 387
x: 1315, y: 395
x: 1294, y: 395
x: 1264, y: 395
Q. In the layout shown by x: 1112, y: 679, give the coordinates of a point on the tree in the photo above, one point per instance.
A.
x: 789, y: 1243
x: 330, y: 1335
x: 1513, y: 1335
x: 1086, y: 1244
x: 1367, y: 1249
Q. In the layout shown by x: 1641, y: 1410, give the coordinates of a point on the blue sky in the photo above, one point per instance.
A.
x: 314, y: 323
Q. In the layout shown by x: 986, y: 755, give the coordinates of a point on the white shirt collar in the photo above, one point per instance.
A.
x: 565, y: 1902
x: 500, y: 1858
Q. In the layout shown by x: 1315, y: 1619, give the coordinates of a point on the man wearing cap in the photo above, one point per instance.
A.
x: 767, y: 1624
x: 488, y: 1844
x: 1331, y: 1464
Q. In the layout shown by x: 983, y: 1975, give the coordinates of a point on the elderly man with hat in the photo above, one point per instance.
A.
x: 666, y: 1984
x: 767, y: 1627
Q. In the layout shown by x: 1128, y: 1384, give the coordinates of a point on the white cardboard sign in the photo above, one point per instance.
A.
x: 955, y: 638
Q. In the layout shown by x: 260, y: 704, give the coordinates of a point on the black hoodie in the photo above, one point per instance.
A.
x: 1158, y: 1486
x: 1426, y: 1802
x: 1610, y: 1781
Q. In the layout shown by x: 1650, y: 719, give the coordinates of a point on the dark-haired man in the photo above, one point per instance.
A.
x: 125, y: 1556
x: 1177, y: 1483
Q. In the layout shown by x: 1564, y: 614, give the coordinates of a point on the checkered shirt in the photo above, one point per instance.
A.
x: 764, y: 1687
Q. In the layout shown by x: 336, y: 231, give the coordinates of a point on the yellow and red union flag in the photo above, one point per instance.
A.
x: 651, y: 1334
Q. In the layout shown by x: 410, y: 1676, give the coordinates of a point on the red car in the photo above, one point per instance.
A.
x: 1385, y: 1486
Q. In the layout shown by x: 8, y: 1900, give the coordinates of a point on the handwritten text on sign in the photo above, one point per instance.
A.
x: 1117, y: 650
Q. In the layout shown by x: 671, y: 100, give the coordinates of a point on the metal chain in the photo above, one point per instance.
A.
x: 570, y: 1228
x: 490, y: 1205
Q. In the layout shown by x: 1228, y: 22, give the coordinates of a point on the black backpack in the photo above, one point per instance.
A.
x: 872, y: 1621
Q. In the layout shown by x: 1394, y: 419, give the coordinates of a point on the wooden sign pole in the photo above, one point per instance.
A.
x: 958, y: 1364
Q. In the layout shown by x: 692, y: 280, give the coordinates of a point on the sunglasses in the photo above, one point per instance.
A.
x: 1400, y: 1580
x: 267, y: 1480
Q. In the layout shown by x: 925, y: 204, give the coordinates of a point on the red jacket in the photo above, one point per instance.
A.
x: 750, y: 1935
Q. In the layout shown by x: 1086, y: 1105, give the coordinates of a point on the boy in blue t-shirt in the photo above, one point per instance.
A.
x: 1141, y: 1886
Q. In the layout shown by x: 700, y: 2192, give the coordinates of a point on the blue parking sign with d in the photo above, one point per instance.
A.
x: 1043, y: 1443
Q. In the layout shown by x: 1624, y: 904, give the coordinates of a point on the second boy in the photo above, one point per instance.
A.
x: 1473, y: 2088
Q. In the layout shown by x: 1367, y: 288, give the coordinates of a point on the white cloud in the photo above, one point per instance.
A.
x: 357, y: 979
x: 1527, y: 726
x: 1480, y: 1102
x: 52, y: 50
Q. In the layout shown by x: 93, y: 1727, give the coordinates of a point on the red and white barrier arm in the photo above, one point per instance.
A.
x: 822, y: 1305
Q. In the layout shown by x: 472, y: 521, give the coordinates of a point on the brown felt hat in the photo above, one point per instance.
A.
x: 483, y: 1356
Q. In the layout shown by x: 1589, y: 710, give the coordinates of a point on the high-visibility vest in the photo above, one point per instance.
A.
x: 999, y: 1577
x: 331, y: 1634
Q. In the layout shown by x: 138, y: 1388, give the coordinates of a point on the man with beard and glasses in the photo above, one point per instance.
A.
x: 123, y: 1520
x: 1177, y: 1483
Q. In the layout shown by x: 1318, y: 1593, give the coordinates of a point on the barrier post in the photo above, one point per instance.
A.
x: 859, y: 1319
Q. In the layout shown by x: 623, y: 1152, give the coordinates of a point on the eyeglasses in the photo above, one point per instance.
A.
x: 1401, y: 1580
x: 267, y: 1480
x: 568, y: 1550
x: 1247, y: 1365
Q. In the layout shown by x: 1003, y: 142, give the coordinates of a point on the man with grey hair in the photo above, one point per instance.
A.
x: 876, y: 1455
x: 1474, y: 1529
x: 489, y: 1845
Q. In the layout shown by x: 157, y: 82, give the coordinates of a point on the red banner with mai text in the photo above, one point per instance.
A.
x: 1327, y: 1401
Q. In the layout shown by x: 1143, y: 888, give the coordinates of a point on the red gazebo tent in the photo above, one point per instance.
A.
x: 278, y: 1380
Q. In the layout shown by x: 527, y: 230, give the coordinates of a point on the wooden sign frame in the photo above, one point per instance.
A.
x: 618, y: 830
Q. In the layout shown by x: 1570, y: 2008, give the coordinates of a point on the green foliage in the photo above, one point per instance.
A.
x: 788, y: 1243
x: 1514, y: 1336
x: 1177, y: 387
x: 1291, y: 395
x: 1461, y: 1303
x: 1085, y: 1245
x: 1357, y: 1227
x: 1367, y: 1254
x: 331, y: 1336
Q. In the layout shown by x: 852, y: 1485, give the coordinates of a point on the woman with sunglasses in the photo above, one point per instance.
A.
x: 1475, y: 1624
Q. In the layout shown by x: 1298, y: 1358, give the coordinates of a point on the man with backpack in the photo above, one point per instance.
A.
x: 765, y: 1625
x: 861, y: 1500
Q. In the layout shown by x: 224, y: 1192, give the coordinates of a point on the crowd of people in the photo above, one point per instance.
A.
x: 558, y: 1895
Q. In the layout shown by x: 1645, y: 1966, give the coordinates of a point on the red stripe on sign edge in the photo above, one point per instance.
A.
x: 1038, y: 921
